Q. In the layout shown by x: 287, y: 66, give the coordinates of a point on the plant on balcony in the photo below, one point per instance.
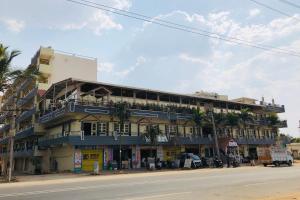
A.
x: 198, y: 118
x: 151, y: 133
x: 245, y: 117
x: 273, y: 119
x: 232, y: 120
x: 122, y: 112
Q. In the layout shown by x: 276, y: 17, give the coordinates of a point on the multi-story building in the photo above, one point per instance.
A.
x: 74, y: 124
x: 19, y: 110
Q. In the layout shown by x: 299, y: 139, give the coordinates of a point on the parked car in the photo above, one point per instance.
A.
x: 196, y: 161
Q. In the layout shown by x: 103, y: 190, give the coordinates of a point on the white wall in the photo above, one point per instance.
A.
x: 66, y: 66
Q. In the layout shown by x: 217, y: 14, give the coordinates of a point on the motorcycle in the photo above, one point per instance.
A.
x: 218, y: 163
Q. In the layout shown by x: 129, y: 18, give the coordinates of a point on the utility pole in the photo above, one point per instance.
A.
x: 12, y: 133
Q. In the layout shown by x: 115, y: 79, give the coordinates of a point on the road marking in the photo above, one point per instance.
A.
x: 158, y: 196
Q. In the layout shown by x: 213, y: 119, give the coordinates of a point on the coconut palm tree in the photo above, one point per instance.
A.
x: 7, y: 74
x: 152, y: 132
x: 232, y: 120
x: 198, y: 118
x: 245, y: 117
x: 122, y: 112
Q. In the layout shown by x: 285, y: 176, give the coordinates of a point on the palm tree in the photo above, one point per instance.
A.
x: 122, y: 112
x: 152, y: 132
x: 8, y: 78
x: 198, y: 118
x: 245, y: 117
x: 232, y: 120
x: 7, y: 74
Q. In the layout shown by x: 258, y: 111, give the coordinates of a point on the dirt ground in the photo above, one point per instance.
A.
x: 295, y: 196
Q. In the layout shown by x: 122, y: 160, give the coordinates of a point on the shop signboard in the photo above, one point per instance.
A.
x: 77, y: 160
x: 187, y: 163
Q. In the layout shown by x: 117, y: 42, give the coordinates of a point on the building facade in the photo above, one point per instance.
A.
x: 19, y: 110
x: 75, y: 123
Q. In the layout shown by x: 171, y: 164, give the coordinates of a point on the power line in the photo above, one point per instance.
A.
x: 177, y: 27
x: 187, y: 27
x: 275, y: 10
x: 290, y: 3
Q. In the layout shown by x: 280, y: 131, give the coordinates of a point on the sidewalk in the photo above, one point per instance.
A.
x: 71, y: 177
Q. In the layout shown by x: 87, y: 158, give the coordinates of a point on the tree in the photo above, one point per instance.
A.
x: 232, y: 120
x: 198, y: 118
x: 245, y: 117
x: 122, y: 112
x: 7, y: 74
x: 152, y: 132
x: 8, y: 79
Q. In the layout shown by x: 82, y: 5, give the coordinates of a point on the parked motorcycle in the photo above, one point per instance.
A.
x: 218, y: 163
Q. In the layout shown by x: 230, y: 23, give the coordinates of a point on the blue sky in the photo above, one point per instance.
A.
x: 141, y: 54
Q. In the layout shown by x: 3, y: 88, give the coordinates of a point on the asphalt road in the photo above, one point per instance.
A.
x: 239, y: 183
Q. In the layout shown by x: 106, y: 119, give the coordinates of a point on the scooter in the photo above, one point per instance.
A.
x: 218, y: 163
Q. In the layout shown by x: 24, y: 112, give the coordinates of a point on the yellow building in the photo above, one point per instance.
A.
x: 69, y: 122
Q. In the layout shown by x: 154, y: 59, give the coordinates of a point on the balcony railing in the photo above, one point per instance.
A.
x: 4, y: 128
x: 269, y: 107
x: 107, y: 109
x: 27, y: 97
x: 24, y: 133
x: 26, y: 114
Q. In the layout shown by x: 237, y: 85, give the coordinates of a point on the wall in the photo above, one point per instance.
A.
x: 64, y: 156
x: 65, y: 66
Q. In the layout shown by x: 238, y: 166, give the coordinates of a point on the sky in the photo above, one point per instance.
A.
x: 142, y: 54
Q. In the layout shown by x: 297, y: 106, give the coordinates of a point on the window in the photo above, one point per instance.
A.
x: 44, y: 61
x: 101, y: 128
x: 124, y: 129
x: 171, y: 129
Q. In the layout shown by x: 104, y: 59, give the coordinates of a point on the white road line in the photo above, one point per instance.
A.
x: 158, y: 196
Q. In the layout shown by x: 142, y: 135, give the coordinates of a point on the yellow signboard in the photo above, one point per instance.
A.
x: 89, y: 157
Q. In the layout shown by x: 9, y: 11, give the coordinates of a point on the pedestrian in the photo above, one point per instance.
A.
x: 252, y: 161
x: 228, y: 160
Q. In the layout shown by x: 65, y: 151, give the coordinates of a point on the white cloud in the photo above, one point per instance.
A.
x: 122, y: 4
x: 109, y: 68
x: 14, y: 25
x: 254, y: 12
x: 106, y: 67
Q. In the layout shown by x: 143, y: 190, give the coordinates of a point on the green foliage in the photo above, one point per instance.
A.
x: 152, y: 132
x: 273, y: 119
x: 198, y: 117
x: 295, y: 140
x: 232, y: 119
x: 7, y: 74
x: 122, y: 112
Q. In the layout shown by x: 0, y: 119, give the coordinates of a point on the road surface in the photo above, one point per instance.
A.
x: 226, y: 184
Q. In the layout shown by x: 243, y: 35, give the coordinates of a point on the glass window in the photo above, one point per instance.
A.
x: 102, y: 128
x: 124, y: 130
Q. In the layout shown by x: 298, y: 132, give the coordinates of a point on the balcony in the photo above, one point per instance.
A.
x: 45, y: 69
x: 26, y: 114
x: 268, y: 107
x: 78, y: 107
x: 110, y: 140
x: 255, y: 141
x: 23, y: 153
x: 282, y: 124
x: 4, y: 128
x: 6, y: 114
x: 28, y: 97
x: 43, y: 86
x: 25, y: 84
x: 24, y: 133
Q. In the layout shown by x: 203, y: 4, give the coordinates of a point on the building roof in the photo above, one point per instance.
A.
x: 59, y: 86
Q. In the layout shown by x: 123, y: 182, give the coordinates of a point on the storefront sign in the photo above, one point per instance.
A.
x: 162, y: 138
x: 187, y: 163
x: 232, y: 143
x: 77, y: 160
